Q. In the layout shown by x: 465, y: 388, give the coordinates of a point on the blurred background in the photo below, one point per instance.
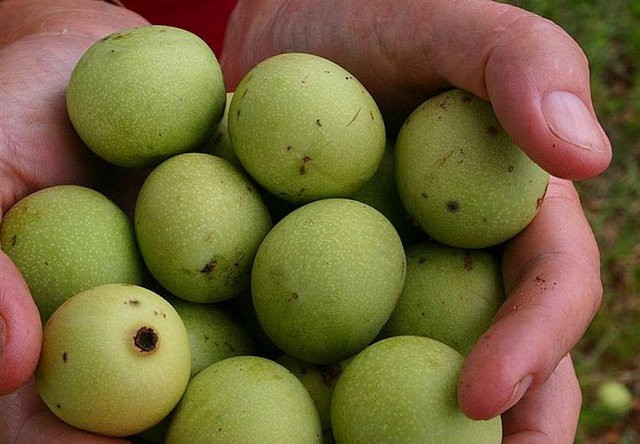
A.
x: 609, y: 33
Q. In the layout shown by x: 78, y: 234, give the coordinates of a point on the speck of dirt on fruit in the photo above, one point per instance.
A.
x: 14, y: 238
x: 146, y: 340
x: 318, y: 122
x: 210, y: 266
x: 65, y: 357
x: 510, y: 168
x: 354, y: 117
x: 468, y: 262
x: 293, y: 297
x: 452, y: 206
x: 133, y: 302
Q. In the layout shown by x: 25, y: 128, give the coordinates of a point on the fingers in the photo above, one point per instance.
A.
x: 552, y: 279
x: 534, y: 73
x: 549, y: 414
x: 25, y: 419
x: 20, y: 328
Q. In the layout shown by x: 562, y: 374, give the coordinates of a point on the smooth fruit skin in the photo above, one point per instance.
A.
x: 613, y: 399
x: 305, y: 128
x: 101, y: 370
x: 143, y: 94
x: 326, y: 278
x: 450, y: 294
x: 245, y: 399
x: 199, y: 222
x: 461, y: 177
x: 68, y: 238
x: 403, y: 390
x: 214, y: 334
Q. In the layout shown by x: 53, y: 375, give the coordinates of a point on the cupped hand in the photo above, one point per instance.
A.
x: 39, y: 46
x: 537, y: 80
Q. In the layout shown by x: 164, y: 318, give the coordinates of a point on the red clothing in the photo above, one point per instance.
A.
x: 205, y: 18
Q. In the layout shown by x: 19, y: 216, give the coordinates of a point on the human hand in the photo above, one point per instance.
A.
x: 537, y: 79
x: 39, y: 46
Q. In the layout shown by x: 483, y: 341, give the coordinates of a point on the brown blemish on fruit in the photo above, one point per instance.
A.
x: 58, y: 406
x: 210, y: 266
x: 65, y: 357
x: 303, y: 167
x: 133, y: 302
x: 444, y: 159
x: 468, y: 262
x: 354, y: 117
x: 146, y: 340
x: 14, y: 238
x: 331, y: 373
x: 424, y: 194
x: 422, y: 259
x: 493, y: 130
x: 466, y: 99
x: 318, y: 122
x: 294, y: 296
x: 510, y: 168
x: 452, y: 206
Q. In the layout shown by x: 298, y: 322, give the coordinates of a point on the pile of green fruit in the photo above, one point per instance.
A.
x: 290, y: 273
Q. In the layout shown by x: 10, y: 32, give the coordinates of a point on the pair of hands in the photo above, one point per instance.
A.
x: 535, y: 75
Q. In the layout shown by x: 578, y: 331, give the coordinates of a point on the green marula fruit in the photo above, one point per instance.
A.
x: 68, y: 238
x: 450, y: 294
x: 245, y: 399
x: 319, y: 381
x: 115, y: 360
x: 461, y: 177
x: 143, y: 94
x: 305, y: 128
x: 214, y: 334
x: 219, y: 144
x: 613, y: 399
x: 403, y: 390
x: 199, y: 222
x: 326, y: 278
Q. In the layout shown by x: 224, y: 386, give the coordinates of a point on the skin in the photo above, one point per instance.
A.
x: 527, y: 67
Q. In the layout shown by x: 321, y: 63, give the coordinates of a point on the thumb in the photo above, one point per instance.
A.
x: 20, y: 328
x: 536, y: 77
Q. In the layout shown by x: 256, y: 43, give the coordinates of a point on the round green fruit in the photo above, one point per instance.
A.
x: 245, y: 399
x: 199, y: 222
x: 326, y: 278
x: 613, y: 399
x: 219, y: 144
x: 305, y: 128
x: 115, y: 360
x: 449, y: 294
x: 68, y: 238
x: 461, y: 177
x: 403, y: 390
x: 143, y: 94
x: 214, y: 334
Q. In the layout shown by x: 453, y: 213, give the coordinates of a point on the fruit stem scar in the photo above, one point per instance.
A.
x: 146, y: 340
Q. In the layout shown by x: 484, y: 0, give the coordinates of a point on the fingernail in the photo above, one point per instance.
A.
x: 518, y: 391
x: 570, y: 120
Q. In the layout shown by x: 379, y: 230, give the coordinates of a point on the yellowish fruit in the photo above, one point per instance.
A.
x: 115, y: 360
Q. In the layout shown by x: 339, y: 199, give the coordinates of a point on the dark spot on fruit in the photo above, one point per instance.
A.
x: 444, y: 104
x: 510, y: 168
x: 422, y: 259
x: 289, y: 147
x: 238, y: 113
x: 132, y: 302
x: 58, y: 406
x: 327, y: 71
x: 423, y: 314
x: 468, y: 262
x: 65, y: 357
x: 354, y: 117
x: 14, y: 238
x: 244, y: 93
x: 466, y: 99
x: 210, y: 266
x: 300, y: 191
x: 492, y: 130
x: 371, y: 114
x: 46, y: 263
x: 146, y: 340
x: 452, y: 206
x: 330, y: 373
x: 219, y: 429
x: 294, y: 296
x: 216, y: 139
x: 205, y: 336
x: 229, y: 347
x: 424, y: 194
x: 318, y: 122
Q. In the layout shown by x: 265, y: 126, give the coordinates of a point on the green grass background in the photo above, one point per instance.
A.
x: 609, y: 33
